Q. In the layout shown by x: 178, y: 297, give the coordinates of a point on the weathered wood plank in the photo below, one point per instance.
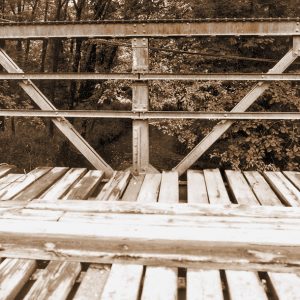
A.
x: 115, y: 187
x: 14, y: 273
x: 169, y: 188
x: 32, y: 214
x: 56, y: 282
x: 203, y: 284
x: 288, y: 193
x: 240, y: 188
x: 40, y: 186
x: 154, y: 276
x: 262, y: 190
x: 215, y: 187
x: 240, y: 283
x: 85, y: 186
x: 6, y: 169
x: 123, y: 282
x: 120, y: 207
x: 160, y: 283
x: 150, y: 188
x: 196, y: 187
x: 62, y: 186
x: 285, y: 286
x: 22, y: 183
x: 133, y: 188
x: 294, y: 177
x: 245, y: 285
x: 8, y: 179
x: 93, y: 282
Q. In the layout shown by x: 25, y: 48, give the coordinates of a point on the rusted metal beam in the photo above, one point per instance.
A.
x: 62, y: 124
x: 157, y: 28
x: 156, y: 115
x: 152, y: 76
x: 140, y: 103
x: 242, y: 106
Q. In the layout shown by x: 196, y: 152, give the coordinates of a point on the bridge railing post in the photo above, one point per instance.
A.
x: 140, y: 103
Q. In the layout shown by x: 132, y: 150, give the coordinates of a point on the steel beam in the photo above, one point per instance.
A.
x: 144, y: 76
x: 157, y: 28
x: 140, y: 103
x: 243, y: 105
x: 153, y: 115
x: 62, y: 124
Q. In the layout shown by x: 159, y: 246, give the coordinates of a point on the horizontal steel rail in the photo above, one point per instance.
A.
x: 152, y: 114
x: 154, y: 28
x: 152, y: 76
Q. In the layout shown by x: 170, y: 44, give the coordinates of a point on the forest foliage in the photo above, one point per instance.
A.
x: 247, y: 145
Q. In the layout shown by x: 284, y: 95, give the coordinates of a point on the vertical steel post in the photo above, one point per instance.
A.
x: 140, y: 103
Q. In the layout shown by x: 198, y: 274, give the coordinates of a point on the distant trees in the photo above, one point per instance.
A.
x: 248, y: 145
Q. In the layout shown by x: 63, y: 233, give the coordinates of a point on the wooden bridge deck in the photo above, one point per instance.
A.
x: 46, y: 217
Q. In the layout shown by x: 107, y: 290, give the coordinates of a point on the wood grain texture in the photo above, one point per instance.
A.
x: 62, y: 186
x: 261, y: 189
x: 41, y: 185
x: 245, y: 285
x: 196, y: 187
x: 115, y: 187
x: 240, y: 188
x: 92, y: 284
x: 14, y: 273
x: 85, y: 186
x: 287, y: 192
x: 55, y: 282
x: 123, y: 282
x: 294, y: 177
x: 22, y: 183
x: 215, y: 187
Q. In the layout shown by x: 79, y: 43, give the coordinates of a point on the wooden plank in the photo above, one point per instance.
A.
x: 123, y: 282
x: 160, y: 283
x: 115, y: 187
x: 14, y: 273
x: 285, y: 286
x: 158, y: 220
x: 62, y: 186
x: 215, y: 187
x: 245, y: 285
x: 17, y: 187
x: 262, y: 190
x: 169, y: 188
x: 40, y: 186
x: 6, y: 169
x: 196, y: 187
x: 294, y: 177
x: 154, y: 276
x: 92, y: 284
x: 133, y: 188
x: 150, y: 188
x: 8, y: 179
x: 56, y: 282
x: 240, y: 188
x: 85, y: 186
x: 288, y: 193
x: 240, y: 284
x: 120, y: 207
x: 32, y: 214
x: 203, y: 284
